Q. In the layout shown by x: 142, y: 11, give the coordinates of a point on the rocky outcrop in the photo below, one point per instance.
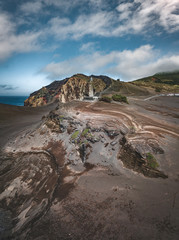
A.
x: 73, y: 88
x: 143, y: 162
x: 97, y: 140
x: 45, y: 95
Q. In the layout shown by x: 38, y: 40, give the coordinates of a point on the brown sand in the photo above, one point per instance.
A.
x: 14, y: 119
x: 106, y: 203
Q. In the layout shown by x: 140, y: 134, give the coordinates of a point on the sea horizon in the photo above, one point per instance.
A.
x: 13, y: 100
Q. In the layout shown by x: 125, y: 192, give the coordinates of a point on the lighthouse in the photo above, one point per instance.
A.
x: 91, y: 92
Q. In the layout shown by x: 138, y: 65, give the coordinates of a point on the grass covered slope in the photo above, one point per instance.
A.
x: 161, y: 82
x: 126, y: 88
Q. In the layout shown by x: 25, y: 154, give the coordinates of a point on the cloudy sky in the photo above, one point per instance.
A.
x: 45, y: 40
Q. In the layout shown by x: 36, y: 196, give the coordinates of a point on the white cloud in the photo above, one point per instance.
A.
x: 88, y: 47
x: 89, y: 63
x: 6, y: 27
x: 62, y: 4
x: 31, y: 7
x: 42, y: 6
x: 100, y: 4
x: 129, y: 17
x: 11, y: 42
x: 69, y: 4
x: 137, y: 17
x: 142, y: 62
x: 127, y: 64
x: 140, y: 16
x: 93, y: 24
x: 124, y: 7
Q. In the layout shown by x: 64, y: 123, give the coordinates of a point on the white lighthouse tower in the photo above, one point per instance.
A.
x: 91, y: 92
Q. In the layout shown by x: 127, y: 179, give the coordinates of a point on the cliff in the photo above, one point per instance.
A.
x: 73, y: 88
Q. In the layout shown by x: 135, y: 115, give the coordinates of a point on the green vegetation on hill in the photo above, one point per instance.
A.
x: 105, y: 99
x: 126, y: 88
x: 171, y: 78
x: 151, y: 161
x: 115, y: 97
x: 119, y: 98
x: 75, y: 135
x: 116, y: 86
x: 167, y: 82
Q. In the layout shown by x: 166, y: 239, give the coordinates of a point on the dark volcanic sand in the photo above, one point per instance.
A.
x: 102, y: 203
x: 14, y: 119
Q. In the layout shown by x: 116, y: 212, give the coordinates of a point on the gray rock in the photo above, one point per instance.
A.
x: 113, y: 143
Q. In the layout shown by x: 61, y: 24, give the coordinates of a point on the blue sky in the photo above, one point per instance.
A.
x: 45, y: 40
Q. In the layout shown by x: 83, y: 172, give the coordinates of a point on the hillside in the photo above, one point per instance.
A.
x: 76, y: 87
x: 126, y: 88
x: 80, y: 86
x: 167, y: 82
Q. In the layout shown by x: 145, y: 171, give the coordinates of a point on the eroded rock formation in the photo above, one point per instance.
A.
x: 73, y: 88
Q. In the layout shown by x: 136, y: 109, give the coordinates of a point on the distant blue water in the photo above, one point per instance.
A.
x: 13, y: 100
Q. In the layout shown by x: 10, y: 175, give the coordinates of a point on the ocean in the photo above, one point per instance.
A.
x: 13, y: 100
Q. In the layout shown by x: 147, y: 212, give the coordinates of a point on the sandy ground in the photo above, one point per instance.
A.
x: 103, y: 200
x: 14, y: 119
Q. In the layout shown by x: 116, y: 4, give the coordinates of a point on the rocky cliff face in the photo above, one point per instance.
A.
x: 73, y: 88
